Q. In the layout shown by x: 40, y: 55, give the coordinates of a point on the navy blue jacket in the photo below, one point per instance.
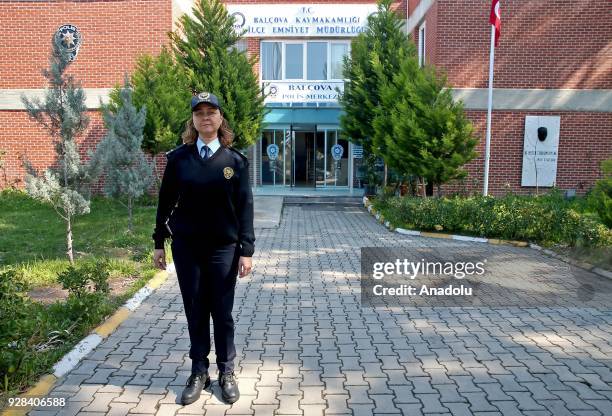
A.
x: 207, y: 200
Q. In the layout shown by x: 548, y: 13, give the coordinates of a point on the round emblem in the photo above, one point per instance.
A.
x: 228, y: 172
x: 272, y: 151
x: 204, y: 95
x: 337, y: 151
x: 69, y: 38
x: 239, y: 20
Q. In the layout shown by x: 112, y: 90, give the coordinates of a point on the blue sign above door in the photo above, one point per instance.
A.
x: 320, y: 115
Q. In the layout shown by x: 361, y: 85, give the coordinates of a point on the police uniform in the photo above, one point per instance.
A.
x: 206, y: 208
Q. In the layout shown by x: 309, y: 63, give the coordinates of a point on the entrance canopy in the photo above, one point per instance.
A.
x: 303, y: 115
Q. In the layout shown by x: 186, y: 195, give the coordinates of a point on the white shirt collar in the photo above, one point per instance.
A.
x: 213, y: 146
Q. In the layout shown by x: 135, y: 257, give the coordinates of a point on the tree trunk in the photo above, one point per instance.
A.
x: 386, y: 172
x: 69, y: 240
x: 129, y: 213
x: 423, y: 188
x: 398, y: 185
x: 69, y: 251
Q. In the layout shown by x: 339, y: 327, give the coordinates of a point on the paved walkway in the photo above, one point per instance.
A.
x: 268, y: 211
x: 306, y: 347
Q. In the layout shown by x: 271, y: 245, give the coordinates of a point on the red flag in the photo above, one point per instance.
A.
x: 495, y: 20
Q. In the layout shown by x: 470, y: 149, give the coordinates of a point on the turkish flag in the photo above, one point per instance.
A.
x: 495, y: 20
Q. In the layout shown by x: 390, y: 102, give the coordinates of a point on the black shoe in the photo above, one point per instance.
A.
x: 195, y: 384
x: 229, y: 387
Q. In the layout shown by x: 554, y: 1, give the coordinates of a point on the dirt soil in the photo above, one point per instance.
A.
x: 50, y: 294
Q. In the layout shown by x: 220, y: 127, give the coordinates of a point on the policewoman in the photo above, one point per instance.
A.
x: 206, y: 207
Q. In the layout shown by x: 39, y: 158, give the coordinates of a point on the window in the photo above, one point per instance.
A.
x: 338, y: 51
x: 241, y: 45
x: 294, y: 61
x: 422, y: 45
x: 316, y: 60
x: 271, y: 59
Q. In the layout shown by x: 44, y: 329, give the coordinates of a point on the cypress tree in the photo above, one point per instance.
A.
x: 426, y: 133
x: 375, y: 57
x: 205, y: 46
x: 399, y: 111
x: 398, y: 123
x: 451, y: 135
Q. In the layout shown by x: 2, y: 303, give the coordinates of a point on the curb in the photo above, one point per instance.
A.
x: 583, y: 265
x: 91, y: 341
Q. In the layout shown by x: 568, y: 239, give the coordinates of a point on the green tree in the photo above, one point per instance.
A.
x: 396, y: 123
x: 160, y: 86
x: 375, y: 57
x: 204, y: 46
x: 451, y: 139
x: 424, y: 131
x: 119, y: 154
x: 62, y: 113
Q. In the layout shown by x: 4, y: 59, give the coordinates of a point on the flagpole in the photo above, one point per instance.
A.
x: 485, y: 190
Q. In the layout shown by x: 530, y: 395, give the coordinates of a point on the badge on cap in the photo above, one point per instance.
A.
x: 228, y: 172
x: 204, y: 95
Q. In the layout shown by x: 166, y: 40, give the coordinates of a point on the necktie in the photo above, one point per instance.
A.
x: 205, y: 152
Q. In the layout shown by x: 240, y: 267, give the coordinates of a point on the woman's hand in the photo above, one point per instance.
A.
x: 245, y: 264
x: 159, y: 258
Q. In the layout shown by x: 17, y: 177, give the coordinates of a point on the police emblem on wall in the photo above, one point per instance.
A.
x: 270, y: 89
x: 69, y: 38
x: 239, y: 20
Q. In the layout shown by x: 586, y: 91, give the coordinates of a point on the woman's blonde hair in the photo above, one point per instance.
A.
x: 225, y: 133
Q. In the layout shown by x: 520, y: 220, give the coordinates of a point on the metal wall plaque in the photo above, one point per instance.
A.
x: 540, y: 150
x: 69, y: 37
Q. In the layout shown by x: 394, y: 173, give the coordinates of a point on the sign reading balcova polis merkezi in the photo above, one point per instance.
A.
x: 329, y: 20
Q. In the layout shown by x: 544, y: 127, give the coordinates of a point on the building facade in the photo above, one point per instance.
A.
x: 114, y: 34
x: 300, y: 48
x: 553, y: 70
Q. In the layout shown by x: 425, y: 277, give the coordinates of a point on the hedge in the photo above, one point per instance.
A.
x: 545, y: 220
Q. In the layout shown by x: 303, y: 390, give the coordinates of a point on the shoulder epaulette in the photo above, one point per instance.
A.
x: 239, y: 153
x: 170, y: 152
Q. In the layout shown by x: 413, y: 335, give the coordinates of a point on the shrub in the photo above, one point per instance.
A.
x: 547, y: 219
x: 14, y: 309
x: 80, y: 279
x: 601, y: 196
x: 34, y: 336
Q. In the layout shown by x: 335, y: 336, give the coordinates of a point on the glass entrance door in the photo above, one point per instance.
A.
x: 304, y: 157
x: 333, y: 172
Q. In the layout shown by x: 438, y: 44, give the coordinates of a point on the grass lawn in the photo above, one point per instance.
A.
x: 33, y: 243
x: 33, y: 236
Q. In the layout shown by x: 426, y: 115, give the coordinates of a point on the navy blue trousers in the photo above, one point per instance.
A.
x: 207, y: 279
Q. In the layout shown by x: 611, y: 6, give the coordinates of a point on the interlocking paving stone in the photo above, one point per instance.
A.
x: 306, y: 346
x: 337, y: 403
x: 101, y: 402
